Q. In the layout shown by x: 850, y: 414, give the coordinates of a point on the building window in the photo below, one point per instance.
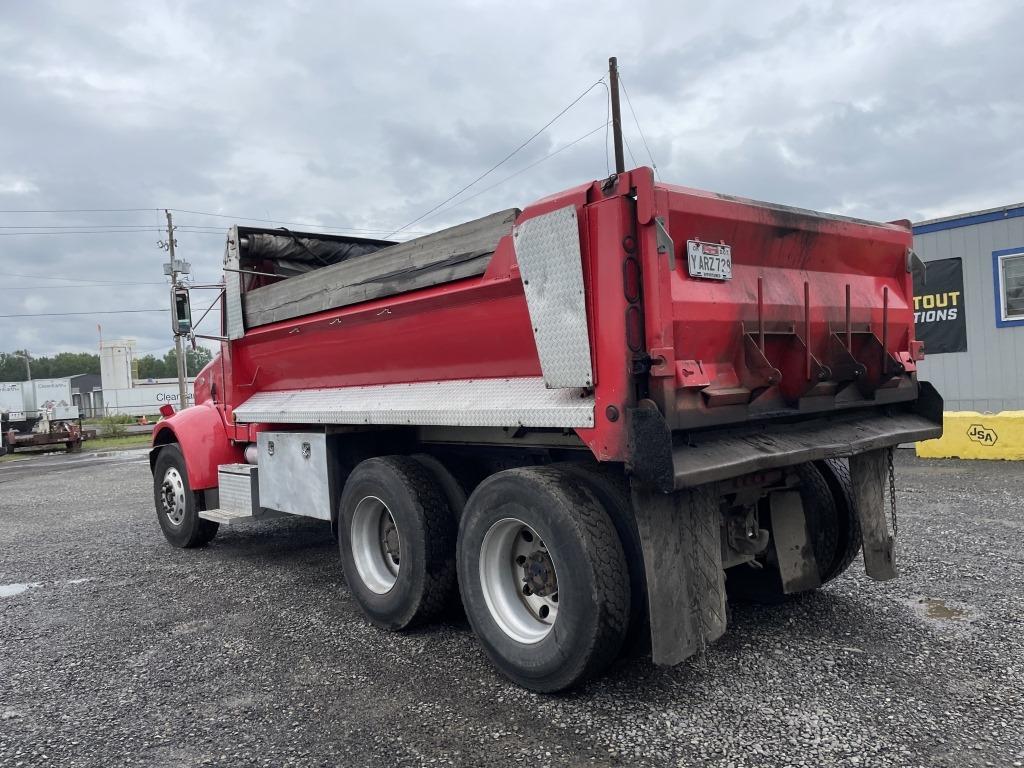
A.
x: 1009, y: 283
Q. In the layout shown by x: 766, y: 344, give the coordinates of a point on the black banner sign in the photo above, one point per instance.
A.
x: 939, y: 307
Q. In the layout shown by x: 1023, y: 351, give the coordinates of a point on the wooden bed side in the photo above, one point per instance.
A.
x: 451, y: 254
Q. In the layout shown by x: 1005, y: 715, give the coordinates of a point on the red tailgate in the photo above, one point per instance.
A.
x: 814, y: 314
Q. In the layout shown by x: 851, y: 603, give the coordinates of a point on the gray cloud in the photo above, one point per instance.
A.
x: 368, y: 114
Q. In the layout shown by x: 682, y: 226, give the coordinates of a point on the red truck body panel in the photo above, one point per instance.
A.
x: 205, y: 443
x: 768, y: 342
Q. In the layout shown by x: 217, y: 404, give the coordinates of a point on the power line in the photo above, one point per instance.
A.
x: 71, y: 226
x: 81, y: 210
x: 501, y: 162
x: 607, y: 126
x: 97, y: 312
x: 219, y: 233
x: 630, y: 150
x: 139, y: 225
x: 643, y: 138
x: 75, y: 279
x: 363, y: 230
x: 520, y: 171
x: 76, y: 286
x: 285, y: 223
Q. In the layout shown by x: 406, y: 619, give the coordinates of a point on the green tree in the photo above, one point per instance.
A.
x: 12, y: 364
x: 166, y: 367
x: 197, y: 359
x: 170, y: 364
x: 151, y: 367
x: 12, y: 367
x: 72, y: 363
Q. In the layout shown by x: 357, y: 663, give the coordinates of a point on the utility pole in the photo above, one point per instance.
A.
x: 28, y: 363
x: 179, y: 346
x: 613, y: 82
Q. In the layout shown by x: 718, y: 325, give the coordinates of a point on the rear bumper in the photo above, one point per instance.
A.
x: 711, y: 457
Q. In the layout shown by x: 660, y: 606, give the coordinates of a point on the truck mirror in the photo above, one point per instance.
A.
x: 182, y: 320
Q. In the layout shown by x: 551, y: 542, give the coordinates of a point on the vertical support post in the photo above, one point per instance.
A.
x: 849, y: 324
x: 760, y: 314
x: 807, y: 330
x: 179, y: 347
x: 613, y: 84
x: 885, y: 329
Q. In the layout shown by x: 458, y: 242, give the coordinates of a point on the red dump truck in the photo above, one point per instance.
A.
x: 591, y: 421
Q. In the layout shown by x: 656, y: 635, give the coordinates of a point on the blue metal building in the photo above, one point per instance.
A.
x: 988, y: 376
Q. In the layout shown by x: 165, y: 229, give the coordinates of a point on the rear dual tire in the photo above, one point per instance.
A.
x: 548, y: 529
x: 543, y: 577
x: 832, y: 527
x: 611, y: 487
x: 396, y: 535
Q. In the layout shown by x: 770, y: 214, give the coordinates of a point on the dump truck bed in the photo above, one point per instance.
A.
x: 657, y: 316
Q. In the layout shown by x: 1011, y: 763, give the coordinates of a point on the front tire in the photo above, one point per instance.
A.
x: 177, y: 508
x: 396, y: 536
x: 543, y: 578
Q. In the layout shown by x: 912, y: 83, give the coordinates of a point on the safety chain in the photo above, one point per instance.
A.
x: 892, y: 492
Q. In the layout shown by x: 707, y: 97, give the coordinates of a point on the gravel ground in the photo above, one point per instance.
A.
x: 116, y: 649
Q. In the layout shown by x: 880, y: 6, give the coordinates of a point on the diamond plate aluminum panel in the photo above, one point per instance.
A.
x: 514, y: 402
x: 237, y: 486
x: 548, y: 252
x: 234, y: 318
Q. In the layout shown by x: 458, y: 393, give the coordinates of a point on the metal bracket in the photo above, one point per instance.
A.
x: 917, y: 267
x: 844, y: 366
x: 665, y: 243
x: 663, y: 361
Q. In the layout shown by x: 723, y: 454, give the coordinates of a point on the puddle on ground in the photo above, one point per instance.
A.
x: 10, y: 590
x: 949, y: 614
x: 936, y: 609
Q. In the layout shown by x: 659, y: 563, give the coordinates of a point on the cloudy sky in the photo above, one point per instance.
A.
x: 362, y: 116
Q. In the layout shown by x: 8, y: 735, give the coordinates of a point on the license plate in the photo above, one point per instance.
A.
x: 709, y: 260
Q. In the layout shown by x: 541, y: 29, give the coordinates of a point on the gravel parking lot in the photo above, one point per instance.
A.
x: 116, y: 649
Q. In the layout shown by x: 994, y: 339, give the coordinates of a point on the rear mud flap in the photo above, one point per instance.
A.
x: 867, y: 473
x: 681, y: 540
x: 798, y: 566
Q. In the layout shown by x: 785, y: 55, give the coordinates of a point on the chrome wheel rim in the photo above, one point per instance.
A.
x: 519, y: 582
x: 376, y: 545
x: 172, y: 496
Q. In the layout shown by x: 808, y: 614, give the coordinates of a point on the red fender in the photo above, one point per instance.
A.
x: 199, y: 432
